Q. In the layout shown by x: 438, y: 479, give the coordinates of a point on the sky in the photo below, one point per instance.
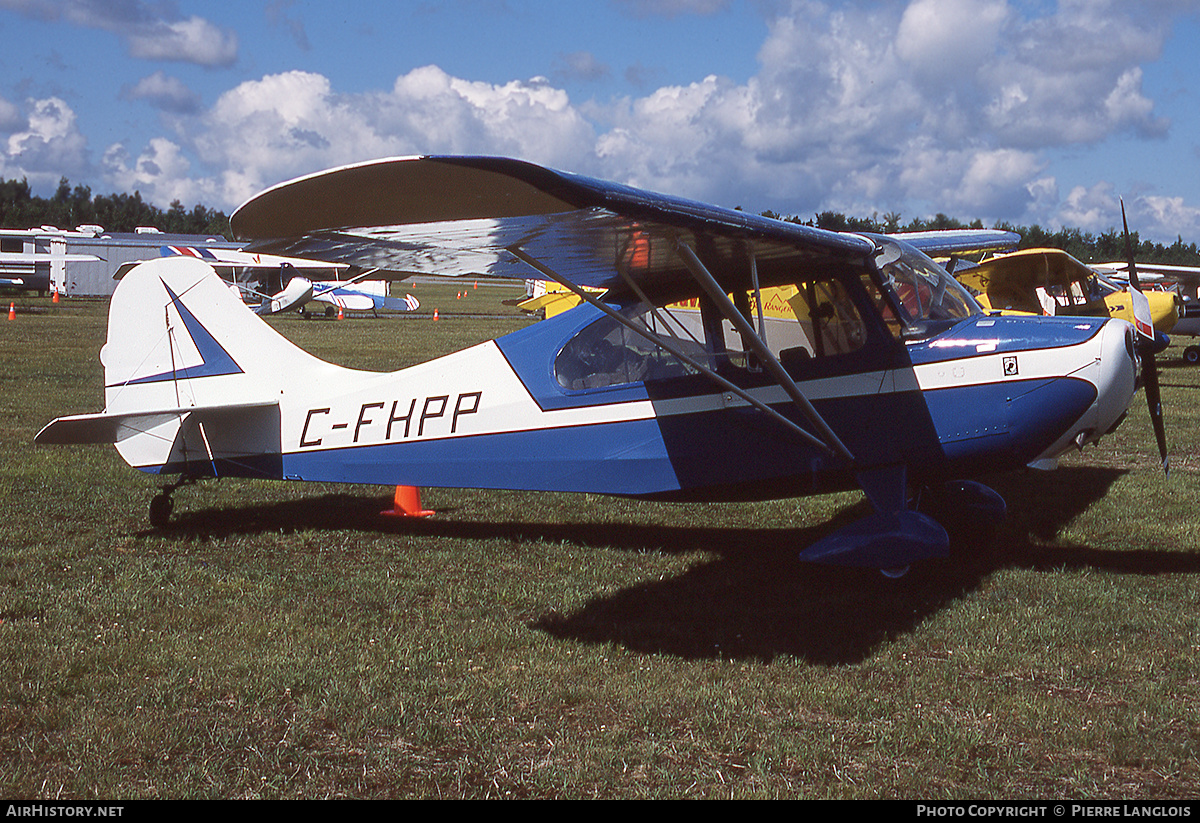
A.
x: 1023, y: 111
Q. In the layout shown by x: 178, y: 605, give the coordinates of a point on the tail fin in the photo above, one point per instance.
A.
x: 192, y: 378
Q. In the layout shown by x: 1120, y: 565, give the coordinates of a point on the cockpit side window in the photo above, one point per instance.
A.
x: 804, y: 323
x: 808, y: 320
x: 606, y: 353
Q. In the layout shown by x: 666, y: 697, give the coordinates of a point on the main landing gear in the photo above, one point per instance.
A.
x: 906, y: 530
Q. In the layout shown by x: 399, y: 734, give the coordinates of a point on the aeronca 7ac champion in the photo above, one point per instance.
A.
x: 887, y: 376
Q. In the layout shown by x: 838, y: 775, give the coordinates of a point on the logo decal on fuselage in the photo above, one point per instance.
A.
x: 214, y: 360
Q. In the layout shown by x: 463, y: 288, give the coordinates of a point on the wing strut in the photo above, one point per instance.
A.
x: 666, y: 346
x: 765, y: 356
x: 762, y: 326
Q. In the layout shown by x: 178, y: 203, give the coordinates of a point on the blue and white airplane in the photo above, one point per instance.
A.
x: 287, y: 284
x: 888, y: 376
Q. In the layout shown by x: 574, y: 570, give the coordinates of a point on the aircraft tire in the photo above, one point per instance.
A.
x: 161, y: 507
x: 1191, y: 355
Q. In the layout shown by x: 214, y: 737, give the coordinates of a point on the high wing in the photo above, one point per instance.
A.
x: 1191, y: 272
x: 959, y: 241
x: 474, y: 215
x: 1153, y: 272
x: 20, y: 258
x: 225, y: 259
x: 237, y: 258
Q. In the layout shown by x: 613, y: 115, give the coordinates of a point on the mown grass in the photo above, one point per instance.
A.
x: 282, y: 640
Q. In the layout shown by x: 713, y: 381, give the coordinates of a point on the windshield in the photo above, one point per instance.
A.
x: 929, y: 298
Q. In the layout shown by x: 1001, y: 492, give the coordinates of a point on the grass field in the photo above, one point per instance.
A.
x: 283, y: 641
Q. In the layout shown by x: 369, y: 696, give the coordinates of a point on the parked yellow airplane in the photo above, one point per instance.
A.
x: 548, y: 297
x: 1050, y: 281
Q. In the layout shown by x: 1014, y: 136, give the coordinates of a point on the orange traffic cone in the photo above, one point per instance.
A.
x: 55, y: 298
x: 340, y: 314
x: 407, y: 503
x: 435, y: 314
x: 12, y: 311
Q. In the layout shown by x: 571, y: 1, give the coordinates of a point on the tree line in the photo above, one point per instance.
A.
x: 70, y: 207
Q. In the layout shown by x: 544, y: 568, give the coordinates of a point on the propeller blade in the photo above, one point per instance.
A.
x: 1149, y: 364
x: 1154, y: 399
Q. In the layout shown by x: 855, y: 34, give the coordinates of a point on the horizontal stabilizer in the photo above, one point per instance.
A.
x: 113, y: 428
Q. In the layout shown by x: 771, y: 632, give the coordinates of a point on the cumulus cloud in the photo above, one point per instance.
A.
x: 149, y: 30
x: 1092, y: 208
x: 162, y: 173
x: 283, y: 125
x: 1170, y: 215
x: 943, y: 41
x: 47, y: 146
x: 193, y: 40
x: 866, y: 106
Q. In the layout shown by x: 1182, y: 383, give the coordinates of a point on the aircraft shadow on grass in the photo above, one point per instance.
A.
x: 753, y: 600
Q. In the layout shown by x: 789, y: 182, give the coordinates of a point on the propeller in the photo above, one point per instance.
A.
x: 1146, y: 335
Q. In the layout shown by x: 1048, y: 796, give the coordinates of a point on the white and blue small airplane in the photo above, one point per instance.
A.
x: 888, y: 377
x: 287, y: 284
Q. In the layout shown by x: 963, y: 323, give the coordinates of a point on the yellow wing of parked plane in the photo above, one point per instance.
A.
x: 549, y: 297
x: 1050, y: 281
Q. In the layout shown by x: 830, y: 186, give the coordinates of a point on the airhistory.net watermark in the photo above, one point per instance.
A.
x: 60, y: 810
